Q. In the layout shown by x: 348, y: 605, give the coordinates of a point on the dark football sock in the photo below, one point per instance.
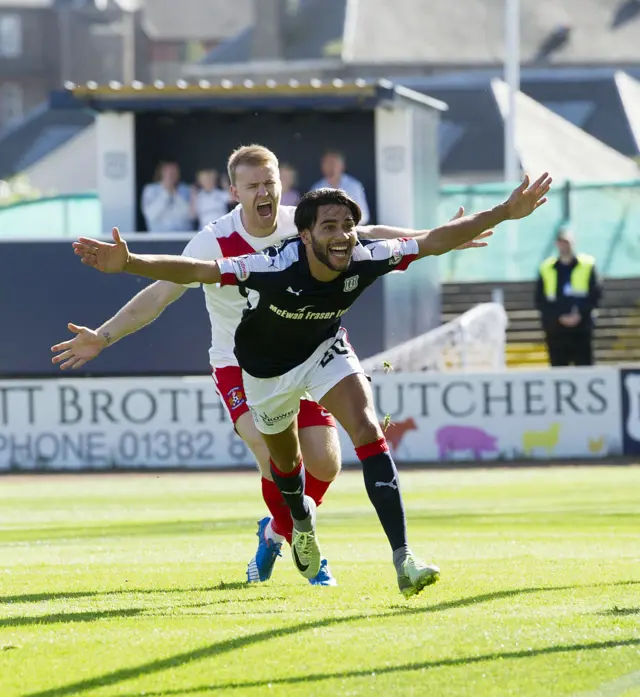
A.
x: 383, y: 487
x: 291, y: 485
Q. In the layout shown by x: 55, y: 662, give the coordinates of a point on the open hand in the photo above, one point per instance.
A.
x: 476, y: 242
x: 106, y: 257
x: 527, y: 197
x: 86, y: 345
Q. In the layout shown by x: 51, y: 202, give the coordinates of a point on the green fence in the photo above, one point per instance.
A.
x: 604, y: 217
x: 60, y: 216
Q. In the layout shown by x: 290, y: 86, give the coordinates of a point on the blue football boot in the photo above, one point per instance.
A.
x: 260, y: 567
x: 324, y: 577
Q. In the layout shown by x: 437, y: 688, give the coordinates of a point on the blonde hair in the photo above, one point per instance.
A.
x: 252, y: 156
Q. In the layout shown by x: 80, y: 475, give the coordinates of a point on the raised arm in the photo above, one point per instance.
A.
x: 177, y: 269
x: 524, y: 200
x: 385, y: 232
x: 116, y: 258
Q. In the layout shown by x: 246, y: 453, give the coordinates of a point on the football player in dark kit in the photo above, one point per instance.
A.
x: 290, y: 343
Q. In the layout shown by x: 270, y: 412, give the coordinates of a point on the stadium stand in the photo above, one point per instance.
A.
x: 617, y: 334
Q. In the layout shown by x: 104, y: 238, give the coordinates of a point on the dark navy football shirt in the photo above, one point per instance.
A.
x: 295, y: 312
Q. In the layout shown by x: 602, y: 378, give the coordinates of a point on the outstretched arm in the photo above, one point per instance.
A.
x: 141, y: 310
x: 177, y: 269
x: 385, y: 232
x: 116, y: 258
x: 525, y: 199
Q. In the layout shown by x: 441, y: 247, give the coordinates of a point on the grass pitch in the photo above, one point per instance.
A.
x: 134, y: 585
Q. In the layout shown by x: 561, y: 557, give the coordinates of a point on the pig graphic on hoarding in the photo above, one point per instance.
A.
x: 451, y: 439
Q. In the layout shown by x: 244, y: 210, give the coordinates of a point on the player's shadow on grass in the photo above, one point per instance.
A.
x: 46, y: 597
x: 620, y: 612
x: 70, y: 617
x: 404, y: 668
x: 73, y: 595
x: 220, y: 586
x: 165, y: 528
x: 229, y: 645
x: 231, y: 586
x: 97, y: 615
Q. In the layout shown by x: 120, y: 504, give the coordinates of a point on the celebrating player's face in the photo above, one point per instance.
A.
x: 258, y: 189
x: 334, y: 236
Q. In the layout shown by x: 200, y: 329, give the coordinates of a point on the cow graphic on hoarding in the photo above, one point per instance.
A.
x: 395, y: 432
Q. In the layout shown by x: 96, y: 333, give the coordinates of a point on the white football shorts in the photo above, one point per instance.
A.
x: 274, y: 402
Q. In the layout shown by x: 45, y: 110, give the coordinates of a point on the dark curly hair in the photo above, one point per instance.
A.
x: 307, y: 208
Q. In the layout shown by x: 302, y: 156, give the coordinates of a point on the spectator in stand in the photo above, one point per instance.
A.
x: 288, y: 178
x: 208, y: 201
x: 226, y: 187
x: 567, y: 293
x: 166, y: 203
x: 333, y: 167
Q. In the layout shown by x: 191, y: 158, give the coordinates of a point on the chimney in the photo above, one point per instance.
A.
x: 267, y: 41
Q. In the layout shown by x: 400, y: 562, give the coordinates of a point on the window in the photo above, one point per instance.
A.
x: 11, y: 103
x: 10, y: 36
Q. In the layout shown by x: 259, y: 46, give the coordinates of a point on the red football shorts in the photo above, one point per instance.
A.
x: 228, y: 382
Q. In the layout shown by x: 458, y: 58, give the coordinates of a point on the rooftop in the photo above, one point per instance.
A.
x: 237, y: 95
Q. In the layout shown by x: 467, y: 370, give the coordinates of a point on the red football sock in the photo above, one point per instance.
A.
x: 315, y: 488
x: 282, y: 522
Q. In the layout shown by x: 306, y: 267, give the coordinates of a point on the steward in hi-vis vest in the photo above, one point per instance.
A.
x: 567, y: 293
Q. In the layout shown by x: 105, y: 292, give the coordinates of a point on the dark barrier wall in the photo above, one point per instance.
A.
x: 43, y: 286
x: 205, y: 140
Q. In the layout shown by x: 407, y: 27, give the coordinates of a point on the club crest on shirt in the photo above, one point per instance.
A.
x: 396, y: 257
x: 350, y: 283
x: 235, y: 397
x: 240, y: 268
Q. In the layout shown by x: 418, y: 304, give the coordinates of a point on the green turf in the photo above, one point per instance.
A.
x: 133, y: 585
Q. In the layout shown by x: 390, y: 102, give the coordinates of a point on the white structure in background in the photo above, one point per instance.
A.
x: 629, y: 91
x: 70, y: 169
x: 546, y: 142
x: 512, y: 80
x: 473, y: 342
x: 405, y: 125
